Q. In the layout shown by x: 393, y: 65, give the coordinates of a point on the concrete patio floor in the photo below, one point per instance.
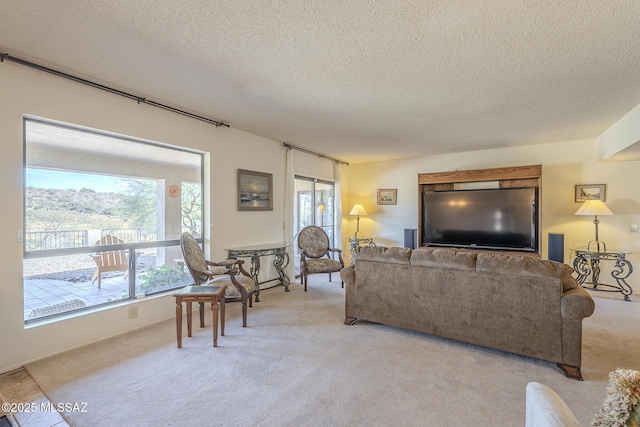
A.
x: 41, y: 293
x: 52, y: 296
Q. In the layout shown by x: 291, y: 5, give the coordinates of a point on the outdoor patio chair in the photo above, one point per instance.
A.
x: 240, y: 284
x: 109, y: 260
x: 315, y: 257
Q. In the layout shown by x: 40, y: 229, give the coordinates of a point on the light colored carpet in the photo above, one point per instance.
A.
x: 298, y: 364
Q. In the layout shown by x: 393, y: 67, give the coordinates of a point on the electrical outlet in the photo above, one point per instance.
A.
x: 133, y: 311
x: 634, y: 228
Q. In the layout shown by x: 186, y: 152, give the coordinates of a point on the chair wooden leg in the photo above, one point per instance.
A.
x: 189, y: 315
x: 342, y: 285
x: 244, y: 313
x: 201, y: 315
x: 223, y: 303
x: 214, y: 314
x: 304, y: 279
x: 179, y: 321
x: 251, y: 299
x: 329, y: 276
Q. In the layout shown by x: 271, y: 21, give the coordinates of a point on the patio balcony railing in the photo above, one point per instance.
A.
x: 65, y: 239
x: 132, y: 235
x: 59, y: 239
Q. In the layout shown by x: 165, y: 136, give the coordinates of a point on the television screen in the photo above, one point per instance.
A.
x: 502, y: 218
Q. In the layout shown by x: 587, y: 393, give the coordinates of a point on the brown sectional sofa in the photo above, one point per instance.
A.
x: 518, y: 304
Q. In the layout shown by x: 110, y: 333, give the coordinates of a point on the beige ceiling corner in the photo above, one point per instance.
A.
x: 621, y: 142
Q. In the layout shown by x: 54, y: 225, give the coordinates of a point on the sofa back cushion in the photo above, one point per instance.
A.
x: 526, y: 266
x: 383, y: 254
x: 452, y: 259
x: 521, y: 266
x: 444, y: 258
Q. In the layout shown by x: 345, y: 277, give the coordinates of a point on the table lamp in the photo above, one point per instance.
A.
x: 358, y: 210
x: 594, y: 207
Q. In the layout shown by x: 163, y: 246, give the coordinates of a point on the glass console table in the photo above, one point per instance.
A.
x: 255, y: 252
x: 587, y: 263
x: 357, y: 242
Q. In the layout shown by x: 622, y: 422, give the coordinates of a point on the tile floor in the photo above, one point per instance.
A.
x: 18, y: 388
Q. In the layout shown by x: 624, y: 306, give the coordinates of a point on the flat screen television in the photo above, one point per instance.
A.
x: 500, y: 219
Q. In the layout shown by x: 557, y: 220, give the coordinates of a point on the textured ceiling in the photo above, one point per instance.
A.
x: 358, y: 80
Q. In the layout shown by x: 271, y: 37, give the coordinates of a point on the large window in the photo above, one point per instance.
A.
x: 103, y: 217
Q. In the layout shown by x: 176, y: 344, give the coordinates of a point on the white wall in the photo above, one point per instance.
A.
x: 311, y: 166
x: 564, y: 165
x: 26, y: 91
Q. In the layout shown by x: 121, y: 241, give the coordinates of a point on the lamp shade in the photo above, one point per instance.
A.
x: 593, y: 207
x: 358, y: 210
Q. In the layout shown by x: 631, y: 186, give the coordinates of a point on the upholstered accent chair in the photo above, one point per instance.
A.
x: 240, y: 284
x: 315, y: 256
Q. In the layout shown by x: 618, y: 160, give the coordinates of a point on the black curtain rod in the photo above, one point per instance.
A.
x: 6, y: 56
x: 304, y: 150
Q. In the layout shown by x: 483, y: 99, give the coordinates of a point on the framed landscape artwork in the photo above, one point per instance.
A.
x: 255, y: 191
x: 586, y: 192
x: 387, y: 196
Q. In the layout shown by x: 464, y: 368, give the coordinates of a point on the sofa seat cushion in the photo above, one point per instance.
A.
x: 232, y: 292
x: 444, y: 258
x: 322, y: 265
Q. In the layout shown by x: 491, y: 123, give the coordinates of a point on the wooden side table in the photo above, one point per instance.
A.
x: 200, y: 294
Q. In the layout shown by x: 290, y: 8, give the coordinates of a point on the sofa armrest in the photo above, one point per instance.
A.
x: 544, y: 408
x: 577, y: 304
x: 348, y: 275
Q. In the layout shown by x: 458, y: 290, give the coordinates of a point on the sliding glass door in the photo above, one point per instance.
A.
x: 314, y: 205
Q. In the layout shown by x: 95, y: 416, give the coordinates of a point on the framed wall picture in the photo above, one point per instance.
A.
x: 255, y: 191
x: 387, y: 196
x: 586, y: 192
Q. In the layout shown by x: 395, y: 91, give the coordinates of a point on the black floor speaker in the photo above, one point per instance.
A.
x: 410, y: 237
x: 556, y: 247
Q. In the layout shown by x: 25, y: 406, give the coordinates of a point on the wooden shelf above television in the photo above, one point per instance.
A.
x: 530, y: 174
x: 509, y: 177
